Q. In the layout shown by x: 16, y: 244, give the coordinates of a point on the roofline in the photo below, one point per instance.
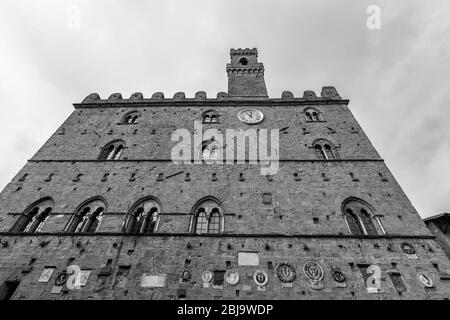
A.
x: 438, y: 216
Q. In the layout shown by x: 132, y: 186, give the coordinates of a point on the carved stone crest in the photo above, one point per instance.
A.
x: 206, y: 276
x: 338, y: 275
x: 232, y: 277
x: 425, y: 279
x: 260, y: 278
x: 313, y: 271
x: 61, y: 278
x: 186, y: 275
x: 408, y: 248
x: 285, y: 272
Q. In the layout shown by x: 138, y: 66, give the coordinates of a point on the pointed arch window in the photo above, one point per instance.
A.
x: 88, y: 217
x: 210, y: 116
x: 360, y: 218
x: 210, y: 150
x: 313, y: 115
x: 131, y: 117
x: 325, y: 150
x: 207, y: 217
x: 353, y: 222
x: 112, y: 151
x: 367, y: 222
x: 143, y: 217
x: 34, y: 217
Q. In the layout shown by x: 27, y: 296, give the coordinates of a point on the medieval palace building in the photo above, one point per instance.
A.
x: 102, y: 211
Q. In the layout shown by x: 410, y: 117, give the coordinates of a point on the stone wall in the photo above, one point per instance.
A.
x: 24, y: 259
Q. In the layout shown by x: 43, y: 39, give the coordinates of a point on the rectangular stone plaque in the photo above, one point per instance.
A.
x: 56, y: 289
x: 153, y: 281
x: 46, y: 274
x: 84, y: 276
x: 372, y: 290
x: 248, y: 259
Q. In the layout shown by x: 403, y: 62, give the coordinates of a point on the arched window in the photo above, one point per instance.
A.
x: 325, y: 150
x: 367, y: 222
x: 360, y: 218
x: 112, y: 151
x: 143, y: 217
x: 131, y: 117
x: 210, y: 116
x: 87, y: 217
x: 210, y: 150
x: 312, y: 114
x: 207, y: 217
x: 34, y: 217
x: 243, y: 61
x: 353, y: 222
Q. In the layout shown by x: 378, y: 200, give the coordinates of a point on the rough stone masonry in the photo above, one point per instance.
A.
x: 101, y: 211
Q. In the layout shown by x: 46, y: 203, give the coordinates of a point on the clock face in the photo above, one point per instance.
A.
x: 250, y: 116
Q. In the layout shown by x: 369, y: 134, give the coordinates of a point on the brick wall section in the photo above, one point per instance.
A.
x: 167, y: 255
x: 294, y: 203
x: 87, y: 130
x: 303, y: 221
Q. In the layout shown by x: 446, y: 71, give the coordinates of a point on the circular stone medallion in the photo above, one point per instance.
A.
x: 61, y: 278
x: 185, y: 275
x: 232, y: 278
x: 206, y: 276
x: 313, y: 271
x: 425, y: 279
x: 286, y: 272
x: 338, y: 275
x: 408, y: 248
x: 260, y: 278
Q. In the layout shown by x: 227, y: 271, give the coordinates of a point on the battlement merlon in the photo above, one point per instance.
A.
x: 246, y: 51
x: 328, y: 94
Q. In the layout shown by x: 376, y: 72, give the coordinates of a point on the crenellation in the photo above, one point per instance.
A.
x: 115, y: 97
x: 136, y: 96
x: 91, y: 98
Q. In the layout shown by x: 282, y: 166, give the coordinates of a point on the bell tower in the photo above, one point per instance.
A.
x: 246, y: 74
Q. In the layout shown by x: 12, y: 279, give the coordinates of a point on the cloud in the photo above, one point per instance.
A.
x: 394, y: 77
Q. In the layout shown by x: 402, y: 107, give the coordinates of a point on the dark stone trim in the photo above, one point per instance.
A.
x: 148, y: 103
x: 224, y: 235
x: 110, y: 213
x: 192, y: 161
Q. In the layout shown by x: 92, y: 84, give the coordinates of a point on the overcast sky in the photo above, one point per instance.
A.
x: 397, y: 78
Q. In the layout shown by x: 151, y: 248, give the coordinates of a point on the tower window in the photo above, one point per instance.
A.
x: 131, y: 117
x: 353, y: 222
x: 325, y: 150
x: 33, y: 218
x: 143, y: 217
x: 313, y: 115
x: 360, y: 218
x: 112, y: 151
x: 210, y: 151
x: 210, y: 116
x: 207, y: 218
x: 243, y: 61
x: 87, y: 217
